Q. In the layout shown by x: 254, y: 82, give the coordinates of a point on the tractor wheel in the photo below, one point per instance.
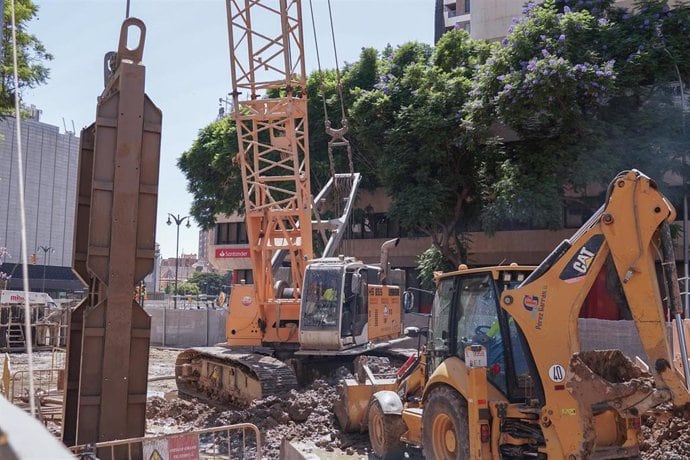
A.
x: 384, y: 433
x: 445, y: 431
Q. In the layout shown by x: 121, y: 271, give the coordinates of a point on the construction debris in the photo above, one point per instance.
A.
x: 306, y: 417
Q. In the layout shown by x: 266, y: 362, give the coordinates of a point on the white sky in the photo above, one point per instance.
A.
x: 187, y: 65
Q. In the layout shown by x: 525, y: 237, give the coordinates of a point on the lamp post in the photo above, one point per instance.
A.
x: 178, y: 220
x: 45, y: 250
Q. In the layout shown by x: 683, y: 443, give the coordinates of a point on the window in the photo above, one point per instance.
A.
x: 231, y: 233
x: 246, y: 275
x: 442, y: 310
x: 369, y: 225
x: 321, y: 300
x: 477, y: 323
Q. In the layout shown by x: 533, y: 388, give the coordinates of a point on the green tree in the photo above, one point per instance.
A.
x: 208, y: 283
x: 412, y: 124
x: 430, y: 262
x: 215, y: 180
x: 585, y: 88
x: 213, y: 177
x: 186, y: 288
x: 31, y: 54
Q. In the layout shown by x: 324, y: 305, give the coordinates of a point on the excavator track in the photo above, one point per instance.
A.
x: 219, y: 375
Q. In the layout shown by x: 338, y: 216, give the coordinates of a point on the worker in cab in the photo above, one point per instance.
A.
x: 329, y: 295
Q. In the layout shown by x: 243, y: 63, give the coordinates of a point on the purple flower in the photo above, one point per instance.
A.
x: 501, y: 77
x: 508, y: 87
x: 504, y: 42
x: 545, y: 53
x: 646, y: 22
x: 561, y: 38
x: 602, y: 21
x: 566, y: 9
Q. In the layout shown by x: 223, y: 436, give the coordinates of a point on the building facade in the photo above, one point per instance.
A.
x: 50, y: 161
x: 451, y: 14
x: 186, y: 266
x: 484, y: 19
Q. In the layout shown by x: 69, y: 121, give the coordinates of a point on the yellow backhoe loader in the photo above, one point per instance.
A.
x: 504, y: 374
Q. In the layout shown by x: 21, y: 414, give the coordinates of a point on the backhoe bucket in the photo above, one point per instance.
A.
x: 352, y: 406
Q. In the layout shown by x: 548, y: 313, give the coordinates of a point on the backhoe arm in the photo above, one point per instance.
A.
x: 574, y: 387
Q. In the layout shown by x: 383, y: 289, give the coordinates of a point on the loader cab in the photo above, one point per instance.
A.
x: 466, y: 311
x: 334, y: 310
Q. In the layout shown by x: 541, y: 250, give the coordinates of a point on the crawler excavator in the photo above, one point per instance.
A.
x: 507, y: 372
x: 301, y: 309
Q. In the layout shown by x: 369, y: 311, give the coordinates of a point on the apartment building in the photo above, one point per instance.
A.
x: 451, y: 14
x: 483, y: 19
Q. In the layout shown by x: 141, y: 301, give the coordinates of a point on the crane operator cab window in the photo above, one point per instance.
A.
x: 321, y: 304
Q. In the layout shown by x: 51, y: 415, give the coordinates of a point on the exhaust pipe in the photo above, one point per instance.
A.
x: 385, y: 247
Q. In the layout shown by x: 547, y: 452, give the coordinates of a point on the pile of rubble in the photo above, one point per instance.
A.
x: 305, y: 415
x: 666, y: 434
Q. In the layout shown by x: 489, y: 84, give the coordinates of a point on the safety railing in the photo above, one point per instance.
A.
x: 220, y: 443
x: 45, y: 381
x: 49, y: 327
x: 48, y: 392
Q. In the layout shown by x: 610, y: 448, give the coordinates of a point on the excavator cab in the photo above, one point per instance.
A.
x: 343, y: 306
x: 321, y: 309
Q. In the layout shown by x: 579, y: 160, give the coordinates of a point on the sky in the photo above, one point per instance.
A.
x: 188, y: 67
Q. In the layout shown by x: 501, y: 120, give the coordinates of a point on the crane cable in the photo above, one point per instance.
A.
x: 337, y: 136
x: 22, y: 214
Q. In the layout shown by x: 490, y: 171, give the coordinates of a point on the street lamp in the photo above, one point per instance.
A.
x: 45, y: 250
x: 178, y: 220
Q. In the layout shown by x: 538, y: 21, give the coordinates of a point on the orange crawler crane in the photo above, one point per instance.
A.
x: 300, y: 309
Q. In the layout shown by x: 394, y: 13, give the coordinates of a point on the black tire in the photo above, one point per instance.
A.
x: 384, y: 433
x: 445, y: 430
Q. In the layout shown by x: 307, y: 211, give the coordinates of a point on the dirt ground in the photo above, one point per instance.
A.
x: 306, y: 416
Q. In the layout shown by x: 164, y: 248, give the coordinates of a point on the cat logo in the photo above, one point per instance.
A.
x: 579, y: 264
x: 584, y: 259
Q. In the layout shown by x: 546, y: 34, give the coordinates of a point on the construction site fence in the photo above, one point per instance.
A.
x: 238, y: 441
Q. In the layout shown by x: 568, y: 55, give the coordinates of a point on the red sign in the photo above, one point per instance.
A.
x: 183, y: 448
x: 231, y: 253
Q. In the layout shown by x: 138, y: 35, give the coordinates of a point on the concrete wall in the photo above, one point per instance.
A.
x: 187, y: 328
x: 491, y: 18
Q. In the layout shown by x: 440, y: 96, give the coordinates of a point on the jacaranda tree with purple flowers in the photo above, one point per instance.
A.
x: 584, y: 87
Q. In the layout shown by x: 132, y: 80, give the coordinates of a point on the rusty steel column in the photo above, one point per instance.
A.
x: 108, y: 344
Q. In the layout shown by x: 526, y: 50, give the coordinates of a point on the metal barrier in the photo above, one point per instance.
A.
x: 47, y: 390
x: 225, y: 442
x: 48, y: 325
